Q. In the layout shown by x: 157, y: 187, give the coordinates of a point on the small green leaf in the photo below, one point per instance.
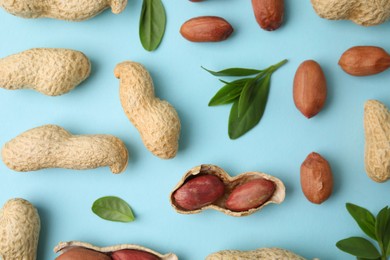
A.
x: 246, y: 97
x: 238, y: 82
x: 113, y: 209
x: 364, y: 218
x: 233, y: 72
x: 382, y: 220
x: 386, y: 235
x: 359, y: 247
x: 228, y: 93
x: 239, y: 125
x: 152, y: 24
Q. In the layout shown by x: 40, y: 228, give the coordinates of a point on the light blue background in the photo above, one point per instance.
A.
x: 277, y: 146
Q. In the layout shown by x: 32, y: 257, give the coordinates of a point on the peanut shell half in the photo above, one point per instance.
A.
x: 230, y: 184
x: 62, y: 247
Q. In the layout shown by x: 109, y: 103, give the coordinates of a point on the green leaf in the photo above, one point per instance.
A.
x: 388, y: 250
x: 113, y: 209
x: 226, y: 95
x: 386, y: 235
x: 382, y: 221
x: 152, y: 24
x: 233, y: 72
x: 364, y: 218
x: 239, y: 125
x: 247, y: 96
x: 359, y: 247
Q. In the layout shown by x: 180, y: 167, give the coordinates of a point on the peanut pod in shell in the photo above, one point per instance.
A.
x: 51, y: 146
x: 19, y: 230
x: 156, y: 120
x: 362, y: 12
x: 237, y: 196
x: 50, y: 71
x: 377, y: 147
x: 259, y: 254
x: 75, y: 250
x: 70, y: 10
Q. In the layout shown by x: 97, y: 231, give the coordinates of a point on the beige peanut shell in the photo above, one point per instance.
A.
x: 63, y: 246
x: 19, y: 230
x: 51, y: 146
x: 52, y: 72
x: 362, y: 12
x: 258, y: 254
x: 230, y: 184
x: 377, y: 147
x: 70, y: 10
x: 156, y: 120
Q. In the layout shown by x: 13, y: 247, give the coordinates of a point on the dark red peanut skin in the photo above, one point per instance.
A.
x: 250, y: 195
x: 79, y: 253
x: 269, y: 13
x: 310, y: 90
x: 364, y: 60
x: 130, y: 254
x: 316, y: 178
x: 206, y: 29
x: 199, y: 192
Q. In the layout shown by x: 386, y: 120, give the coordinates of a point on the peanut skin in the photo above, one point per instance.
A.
x: 310, y: 90
x: 79, y: 253
x: 156, y: 120
x: 250, y: 195
x: 51, y: 146
x: 130, y: 254
x: 316, y: 178
x: 70, y: 10
x: 206, y: 29
x: 52, y: 72
x: 19, y: 230
x: 269, y: 13
x: 199, y: 192
x: 364, y: 60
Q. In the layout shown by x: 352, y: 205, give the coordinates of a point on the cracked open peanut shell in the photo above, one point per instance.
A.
x: 271, y: 190
x: 82, y: 250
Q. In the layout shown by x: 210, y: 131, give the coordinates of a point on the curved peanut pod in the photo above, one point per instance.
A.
x: 51, y: 146
x: 260, y: 254
x: 230, y: 183
x: 19, y: 230
x: 63, y: 247
x: 156, y: 120
x: 70, y: 10
x: 52, y: 72
x: 377, y: 148
x: 362, y: 12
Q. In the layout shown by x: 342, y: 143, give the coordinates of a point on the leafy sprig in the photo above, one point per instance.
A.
x: 248, y: 95
x: 377, y: 228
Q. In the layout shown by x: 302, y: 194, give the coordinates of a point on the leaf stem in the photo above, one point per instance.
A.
x: 277, y: 66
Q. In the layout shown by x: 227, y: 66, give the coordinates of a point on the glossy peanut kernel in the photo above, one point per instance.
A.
x: 199, y: 192
x: 250, y: 195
